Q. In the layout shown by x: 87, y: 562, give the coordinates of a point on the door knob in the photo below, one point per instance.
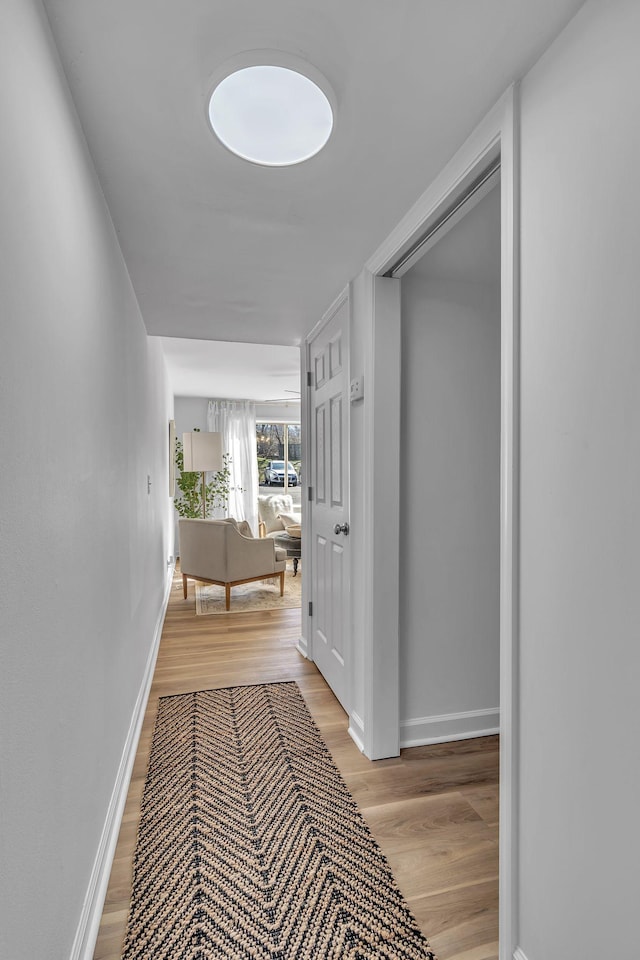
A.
x: 342, y: 528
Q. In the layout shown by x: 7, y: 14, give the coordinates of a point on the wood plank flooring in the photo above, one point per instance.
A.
x: 433, y: 810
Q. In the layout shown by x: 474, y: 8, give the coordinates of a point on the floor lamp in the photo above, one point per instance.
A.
x: 202, y: 452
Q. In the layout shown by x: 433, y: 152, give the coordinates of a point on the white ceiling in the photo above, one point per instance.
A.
x: 236, y: 371
x: 222, y: 249
x: 469, y: 252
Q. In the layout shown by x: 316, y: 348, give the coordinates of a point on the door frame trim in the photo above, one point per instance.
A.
x: 377, y: 732
x: 497, y: 133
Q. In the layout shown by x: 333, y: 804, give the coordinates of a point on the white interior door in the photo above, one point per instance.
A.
x: 329, y: 506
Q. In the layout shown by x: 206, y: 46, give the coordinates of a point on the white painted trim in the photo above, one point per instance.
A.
x: 519, y: 954
x: 381, y: 570
x: 303, y: 644
x: 498, y: 132
x: 440, y: 229
x: 420, y: 731
x: 509, y: 521
x: 91, y: 913
x: 481, y: 146
x: 356, y: 730
x: 328, y: 314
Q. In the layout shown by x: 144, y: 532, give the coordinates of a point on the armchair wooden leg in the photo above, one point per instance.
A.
x: 282, y: 583
x: 184, y: 585
x: 227, y: 595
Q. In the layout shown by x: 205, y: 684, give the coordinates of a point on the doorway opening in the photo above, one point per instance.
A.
x: 450, y: 484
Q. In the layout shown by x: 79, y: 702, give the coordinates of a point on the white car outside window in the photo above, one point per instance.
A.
x: 274, y: 473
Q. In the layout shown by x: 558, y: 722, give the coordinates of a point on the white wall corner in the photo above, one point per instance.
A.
x: 519, y: 954
x: 90, y: 916
x: 356, y: 730
x: 420, y: 731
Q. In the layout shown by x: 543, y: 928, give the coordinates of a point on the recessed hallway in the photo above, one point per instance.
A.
x: 434, y: 810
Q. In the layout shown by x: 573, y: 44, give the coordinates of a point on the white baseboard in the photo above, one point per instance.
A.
x: 519, y: 954
x: 89, y: 923
x: 356, y: 730
x: 419, y: 731
x: 302, y: 647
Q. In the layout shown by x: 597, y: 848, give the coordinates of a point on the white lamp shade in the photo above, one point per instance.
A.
x: 202, y: 452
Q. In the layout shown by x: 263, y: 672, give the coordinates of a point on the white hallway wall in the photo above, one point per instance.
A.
x: 84, y: 409
x: 580, y: 556
x: 449, y: 507
x: 190, y: 414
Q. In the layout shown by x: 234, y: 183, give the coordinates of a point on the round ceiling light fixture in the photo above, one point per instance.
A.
x: 271, y: 115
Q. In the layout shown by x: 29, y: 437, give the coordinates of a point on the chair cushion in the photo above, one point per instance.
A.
x: 290, y: 519
x: 281, y: 554
x: 271, y: 506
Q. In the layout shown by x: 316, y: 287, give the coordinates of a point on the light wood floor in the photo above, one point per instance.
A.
x: 433, y: 810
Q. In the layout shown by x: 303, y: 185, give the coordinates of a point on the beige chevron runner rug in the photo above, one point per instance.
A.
x: 250, y: 846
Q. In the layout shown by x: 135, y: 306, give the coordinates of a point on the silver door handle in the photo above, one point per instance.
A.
x: 342, y: 528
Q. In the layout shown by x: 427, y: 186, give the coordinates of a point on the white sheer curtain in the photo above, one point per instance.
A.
x: 236, y: 421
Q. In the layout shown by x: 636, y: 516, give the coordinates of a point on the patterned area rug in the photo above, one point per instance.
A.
x: 250, y: 597
x: 250, y: 846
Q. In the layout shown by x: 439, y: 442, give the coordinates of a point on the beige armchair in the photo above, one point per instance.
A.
x: 216, y: 552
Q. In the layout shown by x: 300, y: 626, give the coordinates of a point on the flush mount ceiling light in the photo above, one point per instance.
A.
x: 270, y: 115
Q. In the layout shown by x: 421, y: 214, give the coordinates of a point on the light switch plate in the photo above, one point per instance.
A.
x: 356, y: 388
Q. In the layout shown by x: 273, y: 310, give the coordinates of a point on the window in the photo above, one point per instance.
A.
x: 278, y: 443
